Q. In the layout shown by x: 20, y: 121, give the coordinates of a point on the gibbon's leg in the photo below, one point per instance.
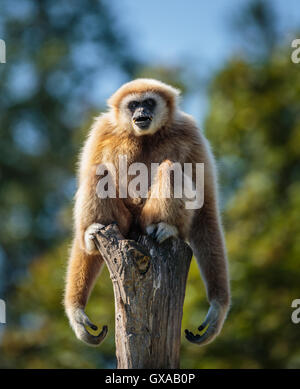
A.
x: 207, y: 242
x: 162, y: 216
x: 83, y: 270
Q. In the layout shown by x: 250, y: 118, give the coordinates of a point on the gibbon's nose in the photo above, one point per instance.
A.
x: 142, y: 118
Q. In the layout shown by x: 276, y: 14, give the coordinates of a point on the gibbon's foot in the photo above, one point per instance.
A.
x: 79, y: 321
x: 89, y: 236
x: 161, y: 231
x: 212, y: 325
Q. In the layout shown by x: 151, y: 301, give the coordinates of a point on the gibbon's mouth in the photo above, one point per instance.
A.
x: 143, y: 122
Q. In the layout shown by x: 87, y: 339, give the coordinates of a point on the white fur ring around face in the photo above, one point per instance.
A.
x: 89, y: 236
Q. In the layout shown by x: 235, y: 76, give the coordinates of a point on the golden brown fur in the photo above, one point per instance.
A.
x: 177, y: 139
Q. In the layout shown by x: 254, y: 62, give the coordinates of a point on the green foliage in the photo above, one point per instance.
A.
x: 253, y: 126
x: 56, y: 53
x: 38, y: 334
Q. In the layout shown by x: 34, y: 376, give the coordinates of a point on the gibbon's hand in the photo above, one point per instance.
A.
x: 213, y: 323
x: 79, y: 321
x: 161, y: 231
x: 89, y: 236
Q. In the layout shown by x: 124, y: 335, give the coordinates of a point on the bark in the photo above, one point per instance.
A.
x: 149, y: 282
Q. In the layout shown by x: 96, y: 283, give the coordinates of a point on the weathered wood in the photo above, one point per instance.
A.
x: 149, y: 282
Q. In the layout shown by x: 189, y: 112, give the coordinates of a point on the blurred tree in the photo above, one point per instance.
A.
x: 59, y: 56
x: 170, y: 75
x: 257, y: 29
x: 37, y: 333
x: 254, y: 127
x: 62, y: 61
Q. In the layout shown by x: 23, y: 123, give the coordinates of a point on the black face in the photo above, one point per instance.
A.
x: 142, y: 112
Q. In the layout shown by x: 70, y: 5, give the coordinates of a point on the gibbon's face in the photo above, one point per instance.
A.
x: 145, y: 112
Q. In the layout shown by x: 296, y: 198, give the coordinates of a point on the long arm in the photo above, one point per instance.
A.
x: 85, y: 263
x: 91, y: 213
x: 207, y: 241
x: 82, y: 272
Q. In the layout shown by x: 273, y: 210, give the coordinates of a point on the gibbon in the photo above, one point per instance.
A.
x: 145, y: 123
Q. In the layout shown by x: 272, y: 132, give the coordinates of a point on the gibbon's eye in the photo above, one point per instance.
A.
x: 133, y: 105
x: 150, y: 103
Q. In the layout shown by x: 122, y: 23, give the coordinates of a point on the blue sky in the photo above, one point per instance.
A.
x: 194, y: 32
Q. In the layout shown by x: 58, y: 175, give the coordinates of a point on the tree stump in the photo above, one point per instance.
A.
x: 149, y: 282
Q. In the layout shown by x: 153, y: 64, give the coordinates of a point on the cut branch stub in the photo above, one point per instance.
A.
x: 149, y: 283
